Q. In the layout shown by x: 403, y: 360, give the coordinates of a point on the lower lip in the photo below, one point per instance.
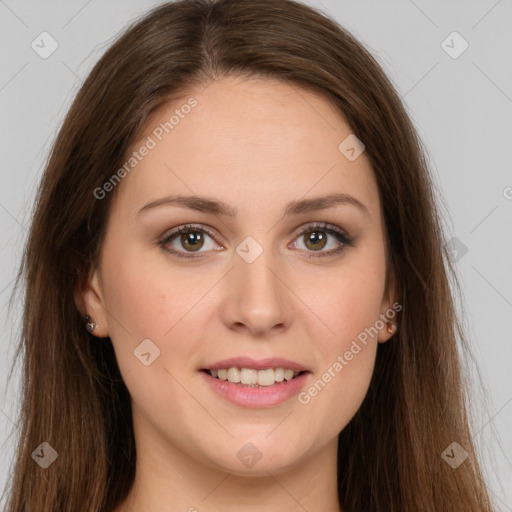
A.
x: 266, y: 396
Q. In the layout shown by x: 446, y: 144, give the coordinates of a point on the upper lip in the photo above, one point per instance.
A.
x: 260, y: 364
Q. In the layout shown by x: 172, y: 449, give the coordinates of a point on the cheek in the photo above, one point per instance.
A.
x: 150, y: 298
x: 349, y: 308
x: 347, y: 305
x: 338, y: 387
x: 145, y: 293
x: 334, y: 396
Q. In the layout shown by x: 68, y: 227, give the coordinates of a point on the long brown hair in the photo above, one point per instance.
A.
x: 390, y: 454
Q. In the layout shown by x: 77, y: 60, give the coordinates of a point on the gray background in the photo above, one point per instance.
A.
x: 461, y: 106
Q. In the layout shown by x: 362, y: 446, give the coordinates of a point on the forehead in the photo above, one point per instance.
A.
x: 252, y: 143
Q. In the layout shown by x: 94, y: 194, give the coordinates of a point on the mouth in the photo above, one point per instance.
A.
x: 254, y: 378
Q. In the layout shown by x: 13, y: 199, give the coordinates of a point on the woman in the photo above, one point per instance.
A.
x: 237, y: 293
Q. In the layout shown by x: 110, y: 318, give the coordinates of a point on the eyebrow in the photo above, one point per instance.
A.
x: 209, y: 205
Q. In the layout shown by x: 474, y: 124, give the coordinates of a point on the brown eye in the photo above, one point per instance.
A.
x: 186, y: 240
x: 315, y: 240
x: 192, y: 240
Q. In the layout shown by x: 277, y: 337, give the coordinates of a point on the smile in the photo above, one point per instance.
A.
x: 251, y: 377
x: 255, y: 395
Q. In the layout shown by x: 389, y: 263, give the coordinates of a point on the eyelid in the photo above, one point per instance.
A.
x: 190, y: 227
x: 323, y: 225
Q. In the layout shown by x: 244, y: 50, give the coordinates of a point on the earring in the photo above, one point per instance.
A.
x: 90, y: 326
x: 391, y: 328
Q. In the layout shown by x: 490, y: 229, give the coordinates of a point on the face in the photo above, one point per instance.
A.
x: 273, y: 280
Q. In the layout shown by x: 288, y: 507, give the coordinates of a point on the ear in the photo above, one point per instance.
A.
x: 389, y: 309
x: 89, y: 300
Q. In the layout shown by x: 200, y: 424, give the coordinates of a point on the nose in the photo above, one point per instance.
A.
x: 255, y: 298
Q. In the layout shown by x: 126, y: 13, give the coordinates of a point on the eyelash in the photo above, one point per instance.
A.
x: 330, y: 229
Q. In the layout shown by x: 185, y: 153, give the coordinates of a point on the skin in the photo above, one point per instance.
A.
x: 255, y: 144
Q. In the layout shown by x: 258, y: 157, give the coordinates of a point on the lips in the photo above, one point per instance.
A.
x: 256, y: 397
x: 254, y: 383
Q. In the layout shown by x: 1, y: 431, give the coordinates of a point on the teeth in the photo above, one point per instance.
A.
x: 279, y: 374
x: 234, y: 375
x: 254, y: 378
x: 248, y: 376
x: 288, y: 374
x: 266, y: 377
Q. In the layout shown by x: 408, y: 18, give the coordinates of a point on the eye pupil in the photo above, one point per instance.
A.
x: 315, y: 237
x: 192, y: 238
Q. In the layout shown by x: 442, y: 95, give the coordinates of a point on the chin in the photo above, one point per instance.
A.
x: 253, y: 457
